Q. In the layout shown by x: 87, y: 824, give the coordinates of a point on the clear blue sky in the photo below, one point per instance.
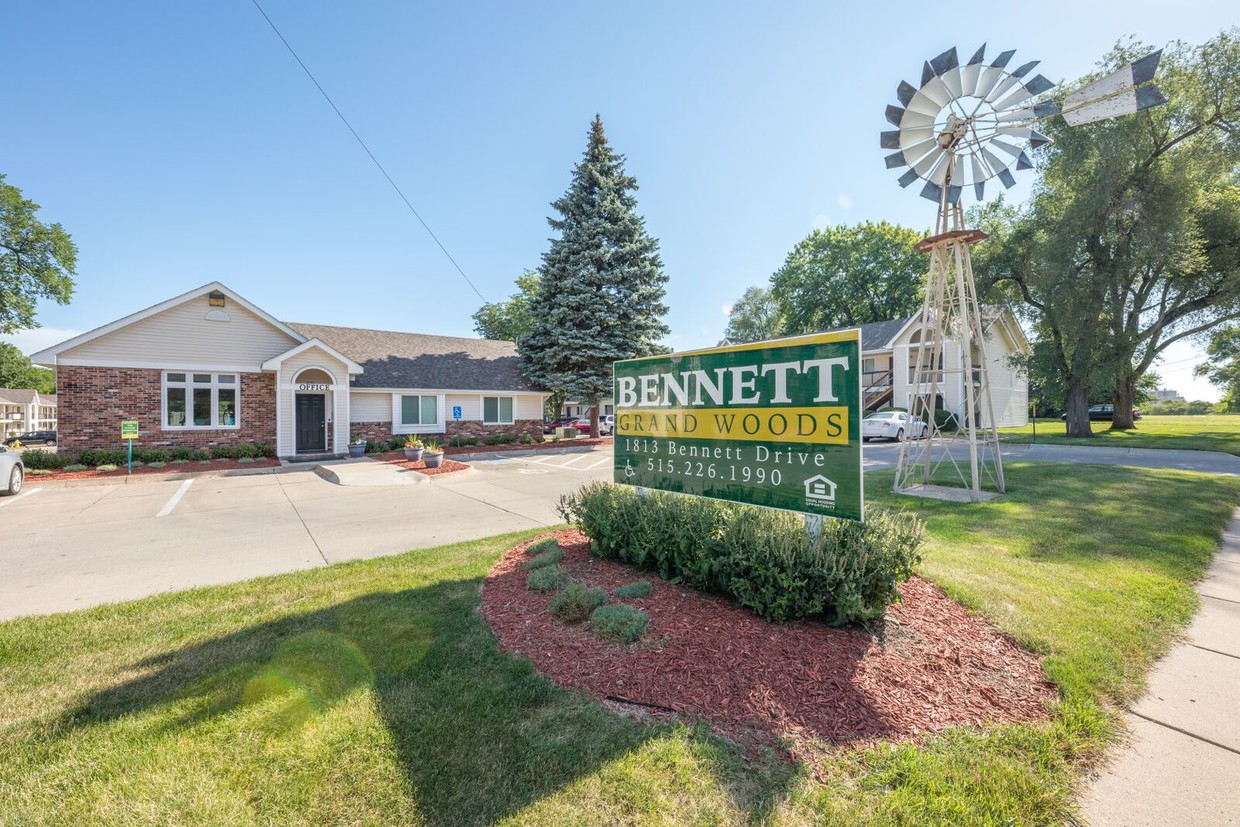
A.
x: 180, y: 143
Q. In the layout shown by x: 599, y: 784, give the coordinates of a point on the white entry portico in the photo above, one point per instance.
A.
x: 312, y: 399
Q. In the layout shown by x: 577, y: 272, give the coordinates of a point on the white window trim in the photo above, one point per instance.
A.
x: 482, y: 408
x: 399, y: 427
x: 189, y: 386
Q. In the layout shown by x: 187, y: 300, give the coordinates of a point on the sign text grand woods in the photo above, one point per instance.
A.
x: 770, y: 423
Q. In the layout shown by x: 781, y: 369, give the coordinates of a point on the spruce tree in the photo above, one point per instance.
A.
x: 602, y: 287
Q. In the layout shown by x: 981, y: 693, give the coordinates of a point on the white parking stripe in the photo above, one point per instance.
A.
x: 29, y: 492
x: 599, y: 464
x: 569, y: 462
x: 176, y: 498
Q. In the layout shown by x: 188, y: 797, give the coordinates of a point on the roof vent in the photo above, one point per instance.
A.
x: 215, y: 298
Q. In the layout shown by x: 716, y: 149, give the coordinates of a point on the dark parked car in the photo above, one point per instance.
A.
x: 33, y: 438
x: 1103, y: 413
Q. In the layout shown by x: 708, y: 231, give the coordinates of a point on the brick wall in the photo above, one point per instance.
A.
x: 382, y: 431
x: 94, y: 400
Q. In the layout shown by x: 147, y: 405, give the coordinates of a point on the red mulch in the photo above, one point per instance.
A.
x: 188, y: 468
x: 446, y: 466
x: 534, y: 446
x: 930, y: 666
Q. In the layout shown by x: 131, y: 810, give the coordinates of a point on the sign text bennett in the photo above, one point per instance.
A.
x: 770, y: 423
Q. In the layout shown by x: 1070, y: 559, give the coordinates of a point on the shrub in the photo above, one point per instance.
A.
x: 135, y: 464
x: 945, y: 420
x: 103, y: 456
x: 179, y: 461
x: 246, y: 460
x: 620, y: 622
x: 149, y: 455
x: 36, y: 459
x: 638, y: 588
x: 545, y: 579
x: 547, y: 558
x: 526, y: 439
x: 462, y: 441
x: 182, y: 453
x: 240, y: 450
x: 546, y: 544
x: 575, y: 602
x: 264, y: 449
x: 107, y: 466
x: 75, y: 466
x: 38, y: 472
x: 501, y: 439
x: 373, y: 447
x: 156, y: 464
x: 762, y: 558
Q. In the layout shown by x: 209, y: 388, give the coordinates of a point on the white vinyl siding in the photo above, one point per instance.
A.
x: 370, y: 407
x: 470, y: 405
x: 182, y: 336
x: 529, y: 407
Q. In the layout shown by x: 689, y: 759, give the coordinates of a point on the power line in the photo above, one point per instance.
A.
x: 349, y: 126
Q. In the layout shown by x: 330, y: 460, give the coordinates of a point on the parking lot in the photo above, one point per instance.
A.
x: 68, y: 546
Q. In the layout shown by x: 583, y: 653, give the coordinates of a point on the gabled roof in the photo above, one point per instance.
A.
x: 414, y: 360
x: 275, y: 361
x: 48, y: 355
x: 19, y: 396
x: 880, y: 335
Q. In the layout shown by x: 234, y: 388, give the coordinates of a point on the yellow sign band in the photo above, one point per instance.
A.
x: 827, y: 425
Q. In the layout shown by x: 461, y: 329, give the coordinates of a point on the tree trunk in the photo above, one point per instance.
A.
x: 1078, y: 410
x: 594, y: 419
x: 1125, y: 392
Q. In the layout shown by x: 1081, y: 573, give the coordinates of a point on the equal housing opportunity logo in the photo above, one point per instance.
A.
x: 820, y: 492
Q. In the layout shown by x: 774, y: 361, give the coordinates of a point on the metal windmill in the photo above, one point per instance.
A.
x: 968, y: 124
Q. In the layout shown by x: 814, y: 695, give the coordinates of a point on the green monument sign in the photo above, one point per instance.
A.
x: 773, y: 423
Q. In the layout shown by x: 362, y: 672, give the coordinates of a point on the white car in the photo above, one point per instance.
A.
x: 12, y: 472
x: 891, y: 425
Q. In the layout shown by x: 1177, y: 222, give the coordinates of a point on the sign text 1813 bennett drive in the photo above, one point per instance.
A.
x: 769, y: 423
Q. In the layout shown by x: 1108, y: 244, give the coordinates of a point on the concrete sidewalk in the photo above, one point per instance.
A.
x: 1182, y: 766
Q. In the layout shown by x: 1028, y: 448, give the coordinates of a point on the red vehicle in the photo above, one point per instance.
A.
x: 583, y: 425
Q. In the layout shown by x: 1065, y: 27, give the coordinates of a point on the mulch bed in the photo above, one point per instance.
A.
x: 931, y: 665
x: 171, y: 468
x: 446, y: 466
x: 533, y: 446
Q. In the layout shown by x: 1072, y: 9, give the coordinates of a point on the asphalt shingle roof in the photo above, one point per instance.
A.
x: 415, y: 360
x: 17, y: 396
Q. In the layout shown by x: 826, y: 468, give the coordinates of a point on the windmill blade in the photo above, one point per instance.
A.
x: 1028, y: 90
x: 970, y: 72
x: 915, y: 152
x: 924, y: 166
x: 986, y: 81
x: 905, y: 92
x: 1119, y: 93
x: 913, y: 136
x: 908, y: 177
x: 889, y: 139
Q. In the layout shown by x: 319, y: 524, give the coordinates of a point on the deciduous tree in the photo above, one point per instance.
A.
x: 755, y: 317
x: 847, y: 276
x: 509, y: 320
x: 37, y: 260
x: 1132, y: 239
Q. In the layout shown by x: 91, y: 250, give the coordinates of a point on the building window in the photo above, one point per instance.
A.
x: 419, y: 410
x: 497, y: 410
x: 200, y: 400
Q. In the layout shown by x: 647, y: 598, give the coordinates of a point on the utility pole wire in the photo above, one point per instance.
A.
x: 349, y: 126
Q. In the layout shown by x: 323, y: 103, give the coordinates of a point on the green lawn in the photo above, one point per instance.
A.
x: 1214, y: 432
x: 372, y: 692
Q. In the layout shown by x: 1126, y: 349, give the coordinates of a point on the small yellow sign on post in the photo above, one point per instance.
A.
x: 129, y: 429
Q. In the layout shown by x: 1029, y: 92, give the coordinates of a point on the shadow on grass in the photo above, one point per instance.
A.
x: 479, y: 734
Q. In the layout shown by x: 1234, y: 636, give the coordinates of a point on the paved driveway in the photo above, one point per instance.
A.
x: 69, y: 547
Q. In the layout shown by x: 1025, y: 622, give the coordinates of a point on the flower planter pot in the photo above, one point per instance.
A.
x: 414, y: 454
x: 432, y: 460
x: 357, y: 450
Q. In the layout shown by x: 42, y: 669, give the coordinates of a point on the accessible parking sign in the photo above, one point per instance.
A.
x: 774, y: 423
